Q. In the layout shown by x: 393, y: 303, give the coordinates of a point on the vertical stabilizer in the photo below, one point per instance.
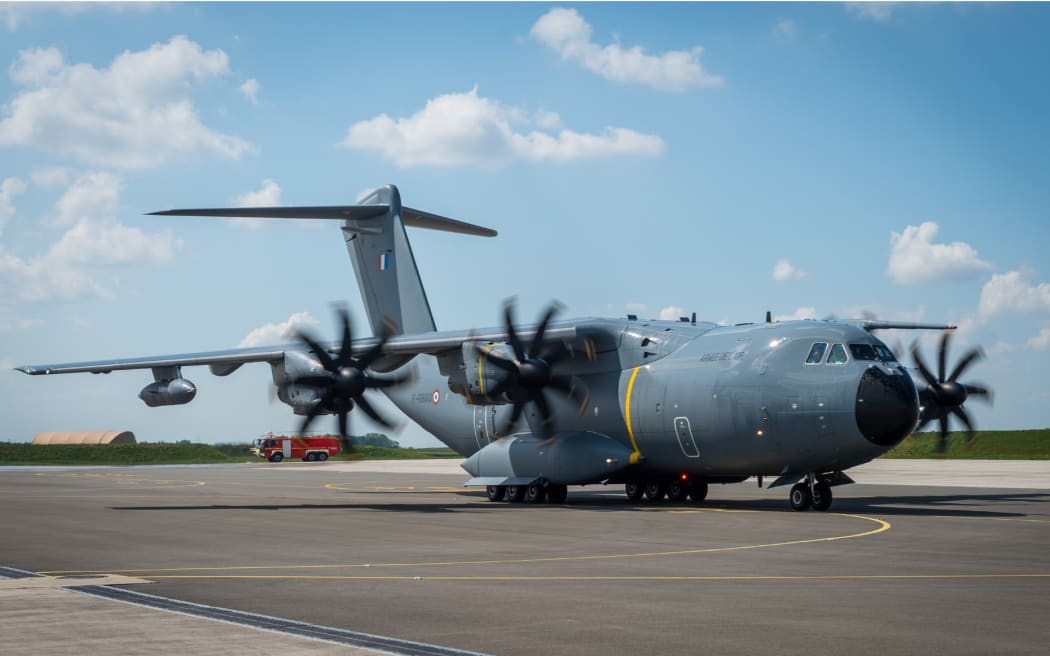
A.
x: 386, y: 269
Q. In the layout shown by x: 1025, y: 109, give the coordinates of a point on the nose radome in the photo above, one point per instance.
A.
x: 887, y: 406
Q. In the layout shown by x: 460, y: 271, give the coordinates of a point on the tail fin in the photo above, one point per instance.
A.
x: 378, y: 246
x: 386, y: 269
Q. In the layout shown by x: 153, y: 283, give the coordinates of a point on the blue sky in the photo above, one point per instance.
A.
x: 812, y: 159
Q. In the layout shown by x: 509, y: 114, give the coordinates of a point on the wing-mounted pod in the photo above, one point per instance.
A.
x: 169, y: 388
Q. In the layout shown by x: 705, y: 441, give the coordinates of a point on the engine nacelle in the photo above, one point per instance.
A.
x: 178, y: 391
x: 296, y: 364
x: 479, y: 376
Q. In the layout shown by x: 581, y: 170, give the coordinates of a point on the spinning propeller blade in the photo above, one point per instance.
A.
x: 530, y: 373
x: 944, y: 396
x: 344, y: 380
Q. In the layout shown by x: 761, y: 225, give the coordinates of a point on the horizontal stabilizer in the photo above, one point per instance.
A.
x: 411, y: 217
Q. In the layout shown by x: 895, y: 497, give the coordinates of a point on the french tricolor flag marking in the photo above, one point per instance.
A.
x: 384, y: 261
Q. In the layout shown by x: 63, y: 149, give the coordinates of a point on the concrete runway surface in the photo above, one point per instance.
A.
x: 908, y: 565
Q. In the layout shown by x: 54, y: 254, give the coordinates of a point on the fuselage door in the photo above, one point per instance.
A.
x: 685, y: 437
x: 484, y: 424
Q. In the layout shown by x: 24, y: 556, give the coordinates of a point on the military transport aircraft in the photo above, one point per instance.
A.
x: 663, y: 407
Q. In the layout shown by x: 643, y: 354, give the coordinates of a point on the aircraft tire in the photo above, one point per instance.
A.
x: 800, y: 497
x: 557, y: 493
x: 535, y: 493
x: 655, y: 490
x: 322, y: 456
x: 516, y: 493
x: 698, y: 491
x: 677, y: 491
x: 277, y: 457
x: 822, y: 496
x: 634, y: 490
x: 495, y: 492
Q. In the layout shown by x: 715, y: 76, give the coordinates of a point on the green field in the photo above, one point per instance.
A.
x: 177, y: 454
x: 1005, y: 445
x: 991, y: 445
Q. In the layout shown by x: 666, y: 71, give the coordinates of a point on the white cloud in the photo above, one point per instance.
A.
x: 784, y: 270
x: 566, y: 32
x: 465, y: 129
x: 52, y: 176
x: 672, y: 313
x: 1011, y: 293
x: 16, y: 14
x: 1040, y: 342
x: 914, y: 258
x: 91, y: 195
x: 879, y: 12
x: 786, y: 29
x: 278, y: 333
x: 801, y: 313
x: 250, y: 89
x: 94, y: 242
x: 269, y: 195
x: 134, y: 114
x: 10, y: 188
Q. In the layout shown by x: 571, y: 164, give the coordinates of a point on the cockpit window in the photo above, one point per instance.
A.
x: 884, y: 353
x: 837, y: 355
x: 816, y: 354
x: 862, y: 351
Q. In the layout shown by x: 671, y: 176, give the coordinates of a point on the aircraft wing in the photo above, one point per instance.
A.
x: 226, y: 361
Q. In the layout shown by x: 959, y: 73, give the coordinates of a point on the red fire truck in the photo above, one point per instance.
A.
x: 309, y: 449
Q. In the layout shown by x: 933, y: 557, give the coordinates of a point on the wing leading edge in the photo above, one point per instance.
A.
x: 226, y: 361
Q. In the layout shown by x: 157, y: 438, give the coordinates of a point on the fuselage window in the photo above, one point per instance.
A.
x: 837, y: 355
x: 884, y: 353
x: 862, y: 351
x: 816, y: 354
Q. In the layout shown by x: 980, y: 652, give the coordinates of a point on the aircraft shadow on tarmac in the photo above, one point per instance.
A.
x: 955, y: 505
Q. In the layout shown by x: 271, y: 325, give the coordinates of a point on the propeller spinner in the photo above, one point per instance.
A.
x: 944, y: 396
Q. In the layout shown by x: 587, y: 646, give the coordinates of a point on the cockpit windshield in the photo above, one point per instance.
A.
x: 871, y: 352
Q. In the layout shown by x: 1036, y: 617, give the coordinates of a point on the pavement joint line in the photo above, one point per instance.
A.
x: 385, y: 644
x: 883, y: 526
x: 682, y: 578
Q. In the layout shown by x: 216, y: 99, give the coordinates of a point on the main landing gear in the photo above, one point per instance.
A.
x: 537, y: 492
x: 811, y: 493
x: 675, y: 490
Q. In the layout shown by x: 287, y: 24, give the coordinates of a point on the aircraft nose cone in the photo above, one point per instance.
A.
x: 887, y: 406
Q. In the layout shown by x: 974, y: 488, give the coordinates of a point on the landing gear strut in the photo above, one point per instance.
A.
x: 811, y: 493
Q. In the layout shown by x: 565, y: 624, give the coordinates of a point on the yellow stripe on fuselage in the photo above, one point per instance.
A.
x: 627, y: 415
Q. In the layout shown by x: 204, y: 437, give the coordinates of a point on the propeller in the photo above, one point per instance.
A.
x: 345, y: 379
x: 945, y: 395
x: 531, y: 372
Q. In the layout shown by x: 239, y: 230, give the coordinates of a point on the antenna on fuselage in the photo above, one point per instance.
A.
x: 769, y: 316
